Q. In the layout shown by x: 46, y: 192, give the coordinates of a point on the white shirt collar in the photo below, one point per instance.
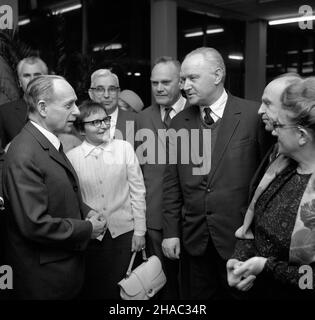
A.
x: 217, y: 108
x: 88, y: 148
x: 177, y: 107
x: 50, y: 136
x: 114, y: 116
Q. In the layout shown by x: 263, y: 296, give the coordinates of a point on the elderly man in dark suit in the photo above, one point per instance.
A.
x: 105, y: 90
x: 13, y: 115
x: 47, y: 225
x: 202, y: 201
x: 156, y: 118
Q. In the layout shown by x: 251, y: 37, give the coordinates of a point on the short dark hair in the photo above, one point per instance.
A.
x: 86, y: 108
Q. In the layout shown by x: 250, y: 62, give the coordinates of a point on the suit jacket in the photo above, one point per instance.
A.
x: 45, y: 228
x: 150, y: 118
x: 126, y: 130
x: 2, y: 154
x: 12, y: 119
x: 199, y: 206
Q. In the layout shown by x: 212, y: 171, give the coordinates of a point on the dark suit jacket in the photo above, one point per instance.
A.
x: 12, y: 120
x: 127, y: 126
x: 150, y: 118
x: 197, y: 206
x: 45, y: 228
x: 2, y: 154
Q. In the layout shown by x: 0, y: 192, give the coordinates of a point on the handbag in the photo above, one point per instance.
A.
x: 143, y: 282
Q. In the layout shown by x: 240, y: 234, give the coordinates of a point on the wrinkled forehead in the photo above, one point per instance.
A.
x: 32, y: 68
x: 104, y: 81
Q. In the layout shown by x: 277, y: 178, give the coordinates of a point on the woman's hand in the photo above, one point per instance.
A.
x: 252, y: 266
x: 138, y: 243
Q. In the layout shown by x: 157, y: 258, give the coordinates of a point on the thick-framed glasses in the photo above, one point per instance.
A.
x: 98, y: 122
x: 99, y: 90
x: 276, y: 126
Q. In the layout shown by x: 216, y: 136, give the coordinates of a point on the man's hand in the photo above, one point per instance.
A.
x: 138, y: 243
x: 171, y: 248
x: 93, y: 213
x: 98, y: 225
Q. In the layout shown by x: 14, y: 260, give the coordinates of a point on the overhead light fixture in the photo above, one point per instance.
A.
x: 129, y: 73
x: 236, y: 57
x: 292, y: 52
x: 23, y: 22
x: 137, y: 74
x: 307, y: 70
x: 67, y: 9
x: 106, y: 47
x: 290, y: 20
x: 308, y: 50
x: 200, y: 33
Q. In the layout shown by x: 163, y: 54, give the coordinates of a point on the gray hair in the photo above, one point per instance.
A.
x: 167, y: 59
x: 103, y: 73
x: 31, y: 60
x: 40, y: 88
x: 210, y: 55
x: 299, y: 99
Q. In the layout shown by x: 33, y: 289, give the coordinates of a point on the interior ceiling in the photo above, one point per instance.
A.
x: 248, y: 9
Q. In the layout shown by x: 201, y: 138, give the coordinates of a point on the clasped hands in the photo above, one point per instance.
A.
x: 99, y: 223
x: 243, y: 274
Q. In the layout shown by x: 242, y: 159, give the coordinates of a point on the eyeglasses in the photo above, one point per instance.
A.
x: 99, y: 90
x: 98, y: 122
x: 277, y: 125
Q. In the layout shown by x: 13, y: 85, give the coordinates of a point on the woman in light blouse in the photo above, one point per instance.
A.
x: 111, y: 183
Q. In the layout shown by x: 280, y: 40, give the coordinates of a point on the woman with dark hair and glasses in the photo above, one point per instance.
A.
x: 112, y: 184
x: 275, y: 252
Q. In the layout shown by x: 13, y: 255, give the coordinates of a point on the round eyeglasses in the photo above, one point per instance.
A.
x: 98, y: 122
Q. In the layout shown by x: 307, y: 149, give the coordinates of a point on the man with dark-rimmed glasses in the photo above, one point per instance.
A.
x: 105, y: 90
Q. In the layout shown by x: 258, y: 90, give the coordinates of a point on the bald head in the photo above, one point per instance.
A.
x: 271, y: 99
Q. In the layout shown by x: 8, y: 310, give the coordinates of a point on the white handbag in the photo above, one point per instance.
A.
x: 143, y: 282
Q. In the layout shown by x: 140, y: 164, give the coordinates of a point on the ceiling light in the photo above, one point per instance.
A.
x: 23, y: 22
x: 106, y: 47
x: 66, y: 9
x: 236, y: 57
x: 200, y: 33
x: 137, y: 74
x: 308, y: 51
x: 291, y: 20
x: 292, y: 52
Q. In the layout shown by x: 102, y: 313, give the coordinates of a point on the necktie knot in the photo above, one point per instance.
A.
x: 167, y: 118
x: 207, y: 118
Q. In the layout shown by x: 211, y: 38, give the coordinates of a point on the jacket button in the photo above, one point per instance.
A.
x: 209, y: 190
x: 75, y: 188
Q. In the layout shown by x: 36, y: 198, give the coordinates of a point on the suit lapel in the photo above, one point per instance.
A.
x: 229, y: 123
x: 156, y: 118
x: 52, y: 151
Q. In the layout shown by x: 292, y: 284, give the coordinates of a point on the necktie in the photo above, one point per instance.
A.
x: 208, y: 119
x: 167, y: 118
x: 62, y: 153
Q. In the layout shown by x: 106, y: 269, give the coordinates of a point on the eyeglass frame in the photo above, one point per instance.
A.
x: 111, y: 90
x: 106, y: 121
x: 277, y: 125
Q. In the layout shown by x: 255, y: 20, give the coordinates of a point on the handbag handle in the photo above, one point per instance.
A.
x: 144, y: 257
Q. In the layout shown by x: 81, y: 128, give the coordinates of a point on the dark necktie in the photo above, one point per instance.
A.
x: 167, y: 118
x: 62, y: 153
x: 208, y: 119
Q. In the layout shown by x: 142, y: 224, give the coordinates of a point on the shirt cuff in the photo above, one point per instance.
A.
x: 139, y: 233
